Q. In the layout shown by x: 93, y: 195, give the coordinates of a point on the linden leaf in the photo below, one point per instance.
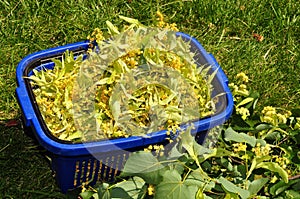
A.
x: 104, y: 192
x: 87, y: 194
x: 245, y: 101
x: 172, y: 187
x: 231, y: 135
x: 272, y: 166
x: 256, y: 185
x: 230, y: 187
x: 216, y: 152
x: 75, y: 135
x: 130, y: 20
x: 282, y: 186
x: 113, y: 30
x: 115, y: 108
x: 145, y: 165
x: 131, y: 188
x: 255, y: 162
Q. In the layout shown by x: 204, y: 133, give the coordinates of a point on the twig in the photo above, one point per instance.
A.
x: 294, y: 177
x: 236, y: 161
x: 286, y: 138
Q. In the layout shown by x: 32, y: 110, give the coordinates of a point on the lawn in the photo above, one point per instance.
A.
x: 230, y: 30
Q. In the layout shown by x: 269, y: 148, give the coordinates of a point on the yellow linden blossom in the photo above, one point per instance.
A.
x: 272, y: 117
x: 238, y: 91
x: 269, y: 111
x: 243, y: 90
x: 233, y: 87
x: 261, y: 151
x: 281, y: 118
x: 244, y: 112
x: 158, y: 149
x: 97, y: 35
x: 151, y: 190
x: 242, y: 76
x: 282, y: 161
x: 172, y: 26
x: 239, y: 147
x: 297, y: 125
x: 274, y: 179
x: 160, y: 16
x: 288, y: 114
x: 162, y: 24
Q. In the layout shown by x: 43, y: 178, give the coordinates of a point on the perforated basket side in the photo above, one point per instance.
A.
x: 71, y: 173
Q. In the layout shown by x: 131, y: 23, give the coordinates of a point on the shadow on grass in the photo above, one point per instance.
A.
x: 25, y: 171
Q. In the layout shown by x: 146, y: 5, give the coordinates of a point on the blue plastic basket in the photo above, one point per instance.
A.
x: 74, y: 164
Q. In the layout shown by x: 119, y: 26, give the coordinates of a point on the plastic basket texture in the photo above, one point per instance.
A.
x: 74, y: 164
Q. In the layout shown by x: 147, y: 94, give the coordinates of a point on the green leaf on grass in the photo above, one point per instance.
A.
x: 197, y: 178
x: 230, y: 195
x: 104, y: 191
x: 113, y: 30
x: 292, y: 194
x: 129, y: 189
x: 255, y: 162
x: 245, y: 101
x: 217, y: 152
x: 232, y: 135
x: 230, y: 187
x: 199, y: 194
x: 193, y: 148
x: 187, y: 142
x: 172, y: 187
x: 130, y: 20
x: 262, y: 127
x: 87, y: 194
x: 282, y: 186
x: 272, y: 166
x: 256, y: 185
x: 144, y: 165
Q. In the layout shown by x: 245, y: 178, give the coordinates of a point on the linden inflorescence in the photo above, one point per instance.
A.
x: 240, y: 88
x: 54, y: 89
x: 270, y: 115
x: 239, y: 91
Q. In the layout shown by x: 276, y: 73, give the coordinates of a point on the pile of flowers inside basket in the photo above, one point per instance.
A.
x: 57, y: 91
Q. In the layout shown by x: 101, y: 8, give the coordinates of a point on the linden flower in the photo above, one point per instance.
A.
x: 261, y: 151
x: 173, y: 26
x: 297, y: 125
x: 271, y: 116
x: 274, y: 179
x: 234, y: 88
x: 288, y: 114
x: 282, y: 161
x: 163, y: 24
x: 238, y: 90
x: 244, y: 112
x: 97, y: 35
x: 269, y: 111
x: 242, y: 76
x: 239, y: 147
x: 160, y: 16
x: 151, y: 190
x: 242, y: 90
x: 267, y: 119
x: 281, y: 118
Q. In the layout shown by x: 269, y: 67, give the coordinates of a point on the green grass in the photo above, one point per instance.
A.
x: 224, y: 28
